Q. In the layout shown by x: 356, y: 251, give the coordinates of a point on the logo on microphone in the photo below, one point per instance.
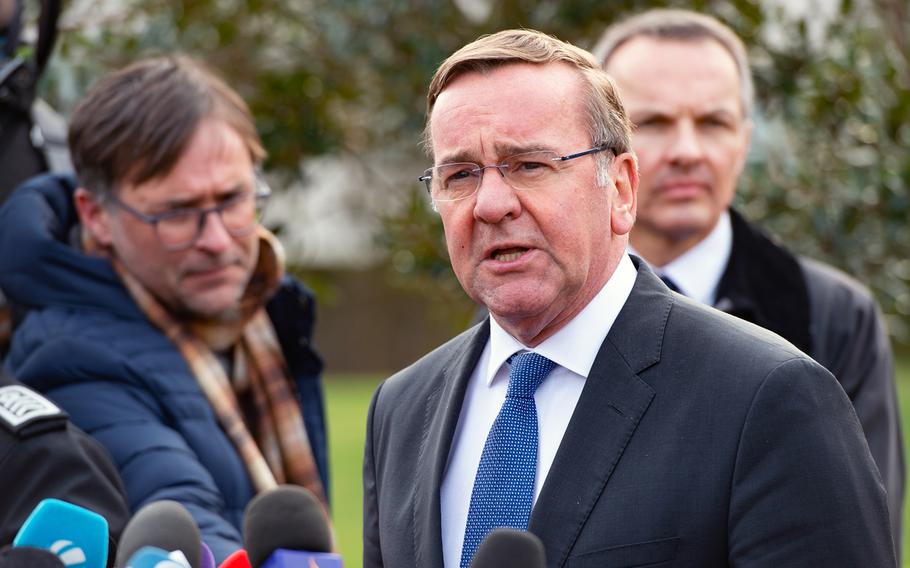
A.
x: 170, y: 564
x: 154, y: 557
x: 69, y: 553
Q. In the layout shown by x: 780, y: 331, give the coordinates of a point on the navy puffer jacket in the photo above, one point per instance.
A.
x: 86, y: 345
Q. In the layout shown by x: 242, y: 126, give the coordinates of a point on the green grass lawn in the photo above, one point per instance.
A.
x: 348, y: 398
x: 903, y: 393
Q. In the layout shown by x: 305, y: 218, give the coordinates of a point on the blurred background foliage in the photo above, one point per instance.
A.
x: 830, y: 168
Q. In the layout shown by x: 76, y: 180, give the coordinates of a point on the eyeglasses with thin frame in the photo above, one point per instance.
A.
x: 524, y: 171
x: 180, y: 228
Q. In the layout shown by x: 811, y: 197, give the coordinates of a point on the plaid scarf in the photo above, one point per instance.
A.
x: 280, y: 452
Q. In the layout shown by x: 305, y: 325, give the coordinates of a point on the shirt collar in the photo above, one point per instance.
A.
x: 576, y: 345
x: 698, y: 271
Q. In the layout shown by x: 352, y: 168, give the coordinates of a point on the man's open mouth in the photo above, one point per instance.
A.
x: 507, y: 255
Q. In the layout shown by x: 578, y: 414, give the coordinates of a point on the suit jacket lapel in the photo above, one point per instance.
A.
x: 611, y: 406
x: 443, y: 408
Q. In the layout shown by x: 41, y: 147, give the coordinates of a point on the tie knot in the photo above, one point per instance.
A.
x: 528, y: 371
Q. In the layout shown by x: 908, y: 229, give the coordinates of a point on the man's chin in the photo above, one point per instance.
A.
x: 517, y: 308
x: 682, y: 223
x: 217, y: 307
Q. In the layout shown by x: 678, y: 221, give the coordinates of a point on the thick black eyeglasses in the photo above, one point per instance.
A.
x: 525, y: 171
x: 180, y: 228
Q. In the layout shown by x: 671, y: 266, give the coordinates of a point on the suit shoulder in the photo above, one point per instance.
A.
x: 849, y: 333
x: 832, y: 284
x: 429, y: 369
x: 731, y: 354
x: 726, y: 333
x: 707, y: 351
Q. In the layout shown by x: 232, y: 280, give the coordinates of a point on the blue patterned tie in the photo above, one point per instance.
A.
x: 504, y: 486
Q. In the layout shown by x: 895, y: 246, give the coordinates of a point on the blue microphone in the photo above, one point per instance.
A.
x: 299, y: 559
x: 152, y: 557
x: 76, y: 535
x: 287, y: 527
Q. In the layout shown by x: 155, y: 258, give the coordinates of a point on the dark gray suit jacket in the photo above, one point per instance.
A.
x: 699, y: 440
x: 836, y: 321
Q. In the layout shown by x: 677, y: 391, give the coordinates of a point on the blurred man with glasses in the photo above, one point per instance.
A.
x: 622, y: 424
x: 685, y: 80
x: 158, y: 312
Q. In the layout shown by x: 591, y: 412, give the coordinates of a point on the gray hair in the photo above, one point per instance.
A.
x: 681, y: 25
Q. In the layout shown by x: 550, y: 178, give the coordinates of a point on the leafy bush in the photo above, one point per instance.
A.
x: 348, y: 77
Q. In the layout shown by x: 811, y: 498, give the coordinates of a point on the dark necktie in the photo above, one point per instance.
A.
x: 504, y: 485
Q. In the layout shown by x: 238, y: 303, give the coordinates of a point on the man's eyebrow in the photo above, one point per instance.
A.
x: 220, y: 195
x: 719, y: 113
x: 503, y: 150
x: 510, y: 149
x: 649, y: 114
x: 457, y: 157
x: 657, y: 114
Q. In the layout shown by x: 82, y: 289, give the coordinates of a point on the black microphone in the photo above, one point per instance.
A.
x: 510, y: 548
x: 28, y: 557
x: 287, y: 527
x: 163, y: 524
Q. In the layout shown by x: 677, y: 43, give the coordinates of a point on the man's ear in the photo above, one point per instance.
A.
x: 624, y: 173
x: 93, y: 216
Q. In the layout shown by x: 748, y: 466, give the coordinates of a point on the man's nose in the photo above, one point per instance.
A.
x: 686, y: 147
x: 495, y: 198
x: 213, y: 235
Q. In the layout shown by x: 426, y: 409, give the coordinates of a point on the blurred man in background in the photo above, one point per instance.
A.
x: 686, y: 84
x: 620, y: 423
x: 158, y: 312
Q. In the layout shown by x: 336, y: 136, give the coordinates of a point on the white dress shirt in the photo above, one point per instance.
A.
x: 698, y: 271
x: 573, y: 349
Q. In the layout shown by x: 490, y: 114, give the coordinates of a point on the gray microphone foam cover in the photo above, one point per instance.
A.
x: 163, y: 524
x: 510, y: 548
x: 288, y: 517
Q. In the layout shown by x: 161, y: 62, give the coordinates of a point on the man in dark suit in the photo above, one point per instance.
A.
x: 622, y: 424
x: 685, y: 81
